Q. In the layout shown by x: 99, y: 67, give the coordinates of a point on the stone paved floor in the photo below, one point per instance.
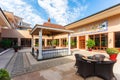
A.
x: 62, y: 71
x: 5, y: 58
x: 23, y: 63
x: 18, y: 66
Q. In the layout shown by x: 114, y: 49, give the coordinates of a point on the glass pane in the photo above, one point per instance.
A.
x: 97, y: 40
x: 117, y: 39
x: 91, y: 37
x: 104, y: 40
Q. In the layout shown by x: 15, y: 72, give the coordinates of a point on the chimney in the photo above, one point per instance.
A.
x: 48, y: 19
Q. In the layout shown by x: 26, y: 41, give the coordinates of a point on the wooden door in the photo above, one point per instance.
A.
x: 82, y: 42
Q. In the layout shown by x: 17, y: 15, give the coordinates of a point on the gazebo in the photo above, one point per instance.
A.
x: 49, y: 29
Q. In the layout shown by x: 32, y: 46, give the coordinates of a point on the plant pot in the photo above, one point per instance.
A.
x: 89, y: 49
x: 113, y: 57
x: 16, y: 50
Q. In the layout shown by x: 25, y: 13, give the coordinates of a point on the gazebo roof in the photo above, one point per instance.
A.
x: 48, y: 24
x: 49, y: 29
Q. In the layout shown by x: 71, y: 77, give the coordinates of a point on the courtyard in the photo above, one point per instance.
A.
x: 46, y: 51
x: 23, y: 66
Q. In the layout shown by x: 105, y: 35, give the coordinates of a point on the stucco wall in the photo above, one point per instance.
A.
x: 91, y: 28
x: 114, y: 23
x: 12, y: 33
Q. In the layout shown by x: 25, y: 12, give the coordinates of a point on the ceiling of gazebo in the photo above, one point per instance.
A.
x: 48, y: 30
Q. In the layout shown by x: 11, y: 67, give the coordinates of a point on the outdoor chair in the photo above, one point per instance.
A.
x: 96, y: 67
x: 98, y: 57
x: 78, y: 57
x: 85, y: 68
x: 105, y: 70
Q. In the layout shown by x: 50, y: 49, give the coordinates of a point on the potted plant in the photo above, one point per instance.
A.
x: 54, y: 42
x: 4, y: 75
x: 73, y: 44
x: 36, y: 45
x: 90, y: 44
x: 112, y: 53
x: 15, y: 48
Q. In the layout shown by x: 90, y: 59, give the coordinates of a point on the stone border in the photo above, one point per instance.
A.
x: 5, y: 51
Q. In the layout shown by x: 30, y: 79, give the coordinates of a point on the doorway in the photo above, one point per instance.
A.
x: 82, y: 42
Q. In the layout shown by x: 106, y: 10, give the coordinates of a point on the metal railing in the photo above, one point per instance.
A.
x: 51, y: 53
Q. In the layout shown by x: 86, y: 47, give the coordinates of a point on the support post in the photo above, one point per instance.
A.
x: 77, y: 42
x: 69, y: 52
x: 19, y: 41
x: 60, y: 42
x: 40, y: 45
x: 45, y: 43
x: 32, y: 44
x: 32, y: 41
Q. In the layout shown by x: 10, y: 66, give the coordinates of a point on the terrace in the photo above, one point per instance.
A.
x: 24, y: 66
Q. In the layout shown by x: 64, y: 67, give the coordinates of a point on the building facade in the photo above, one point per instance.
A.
x: 13, y: 28
x: 103, y: 27
x: 4, y: 23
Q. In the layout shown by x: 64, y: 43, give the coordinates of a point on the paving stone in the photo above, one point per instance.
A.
x: 5, y: 58
x: 22, y: 63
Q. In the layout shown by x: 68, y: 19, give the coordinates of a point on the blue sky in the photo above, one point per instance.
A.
x: 61, y: 12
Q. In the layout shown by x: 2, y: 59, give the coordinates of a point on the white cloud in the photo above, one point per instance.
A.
x: 60, y: 11
x: 22, y: 9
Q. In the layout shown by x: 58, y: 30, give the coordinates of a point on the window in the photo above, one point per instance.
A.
x: 117, y: 39
x: 101, y: 41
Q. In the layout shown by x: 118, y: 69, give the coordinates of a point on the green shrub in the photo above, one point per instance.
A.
x: 54, y: 42
x: 5, y: 43
x: 90, y: 43
x: 73, y: 43
x: 15, y: 46
x: 112, y: 51
x: 36, y: 45
x: 4, y: 75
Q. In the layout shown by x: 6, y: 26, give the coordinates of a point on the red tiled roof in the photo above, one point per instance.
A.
x: 48, y: 24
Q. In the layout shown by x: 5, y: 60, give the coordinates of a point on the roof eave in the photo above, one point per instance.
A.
x: 83, y: 20
x: 49, y: 28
